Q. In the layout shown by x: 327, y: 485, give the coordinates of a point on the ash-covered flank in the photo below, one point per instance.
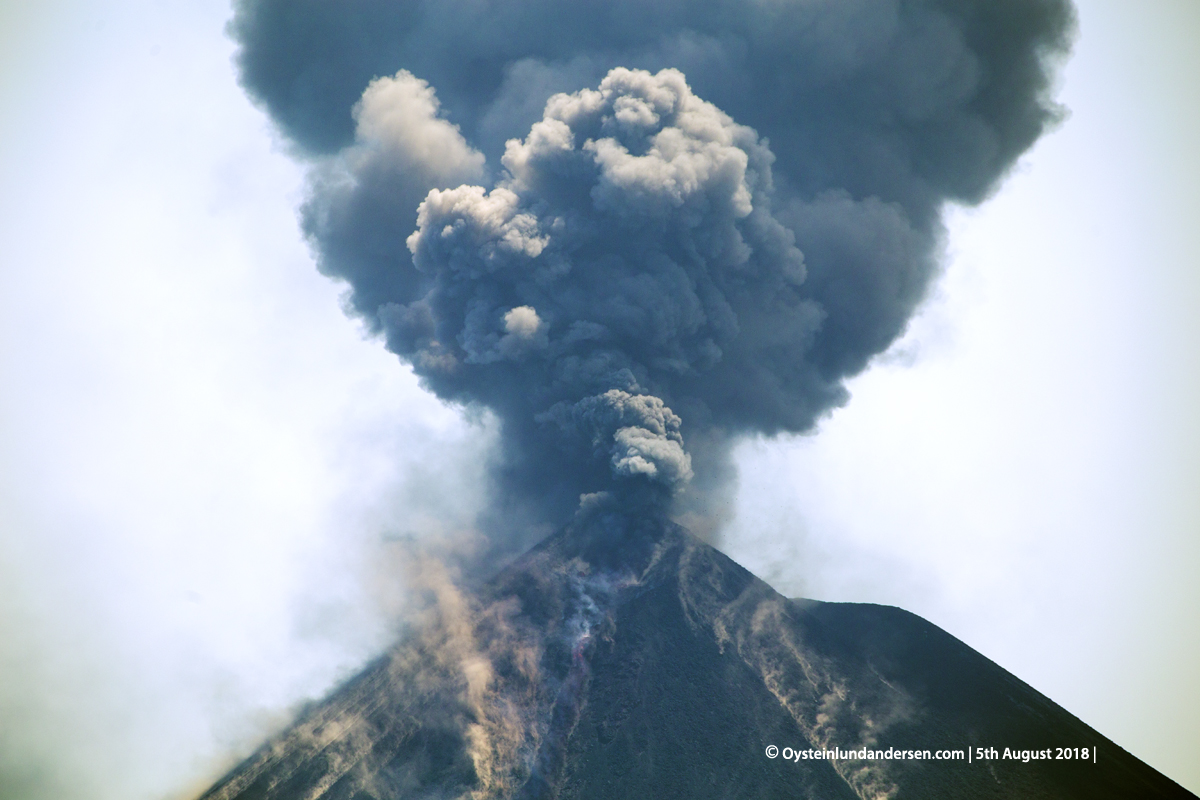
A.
x: 666, y: 674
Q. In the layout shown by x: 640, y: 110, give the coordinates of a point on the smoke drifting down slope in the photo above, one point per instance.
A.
x: 635, y: 231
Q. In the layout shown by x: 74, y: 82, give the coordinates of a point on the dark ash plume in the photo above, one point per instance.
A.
x: 630, y: 267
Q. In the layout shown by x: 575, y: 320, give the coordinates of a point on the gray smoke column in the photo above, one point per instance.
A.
x: 635, y: 231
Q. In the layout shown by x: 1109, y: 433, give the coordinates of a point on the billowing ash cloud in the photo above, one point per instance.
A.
x: 636, y: 230
x: 626, y: 265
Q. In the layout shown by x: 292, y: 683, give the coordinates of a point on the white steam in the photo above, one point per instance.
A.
x: 398, y: 128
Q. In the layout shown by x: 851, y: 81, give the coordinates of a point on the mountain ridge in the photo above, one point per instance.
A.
x: 622, y: 657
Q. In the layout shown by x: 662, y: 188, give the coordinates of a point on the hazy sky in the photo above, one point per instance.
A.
x: 203, y: 460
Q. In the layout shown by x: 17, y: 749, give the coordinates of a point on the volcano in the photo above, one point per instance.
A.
x: 624, y: 658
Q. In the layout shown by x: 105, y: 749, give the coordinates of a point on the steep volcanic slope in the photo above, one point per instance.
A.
x: 623, y: 659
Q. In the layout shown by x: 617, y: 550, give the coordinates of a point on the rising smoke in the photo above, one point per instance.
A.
x: 635, y: 231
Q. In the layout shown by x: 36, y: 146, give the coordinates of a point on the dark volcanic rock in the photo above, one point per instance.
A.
x: 629, y: 660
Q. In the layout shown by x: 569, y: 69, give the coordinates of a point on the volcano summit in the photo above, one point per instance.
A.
x: 666, y: 673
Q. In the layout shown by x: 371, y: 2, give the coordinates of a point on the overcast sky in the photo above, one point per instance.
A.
x: 203, y: 459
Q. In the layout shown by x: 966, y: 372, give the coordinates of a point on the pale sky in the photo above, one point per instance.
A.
x: 201, y: 456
